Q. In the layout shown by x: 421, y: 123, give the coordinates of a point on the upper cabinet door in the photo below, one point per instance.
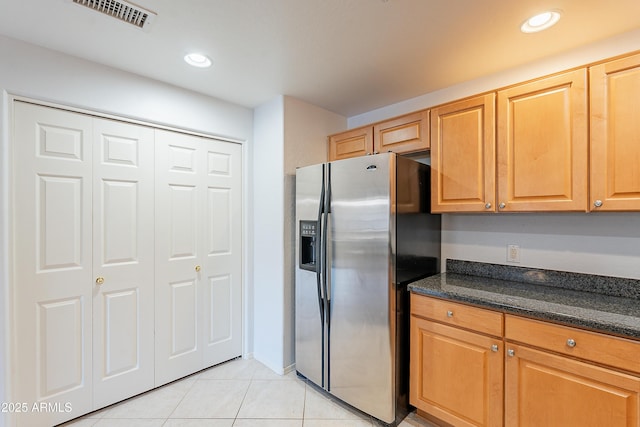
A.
x: 615, y: 135
x: 352, y: 143
x: 542, y: 145
x: 462, y: 156
x: 404, y: 134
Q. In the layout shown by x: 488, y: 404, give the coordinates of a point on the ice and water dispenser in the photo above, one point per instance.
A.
x: 308, y: 245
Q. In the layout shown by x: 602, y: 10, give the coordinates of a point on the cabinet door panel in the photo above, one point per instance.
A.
x: 542, y: 145
x: 615, y: 133
x: 462, y: 156
x: 123, y: 255
x: 402, y: 135
x: 52, y: 158
x: 353, y: 143
x: 547, y: 390
x: 455, y: 376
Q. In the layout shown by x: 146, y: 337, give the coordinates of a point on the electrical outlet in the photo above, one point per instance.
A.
x: 513, y: 253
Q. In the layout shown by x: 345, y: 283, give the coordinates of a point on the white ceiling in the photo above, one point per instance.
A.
x: 348, y: 56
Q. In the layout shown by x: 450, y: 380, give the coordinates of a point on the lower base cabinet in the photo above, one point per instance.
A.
x: 533, y: 374
x: 456, y: 362
x: 458, y: 374
x: 543, y: 389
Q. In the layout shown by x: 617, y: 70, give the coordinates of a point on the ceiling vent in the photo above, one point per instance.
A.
x: 122, y: 10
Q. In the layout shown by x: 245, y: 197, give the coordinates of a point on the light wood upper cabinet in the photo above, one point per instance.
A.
x: 533, y: 147
x: 615, y: 135
x: 542, y: 142
x: 352, y: 143
x: 405, y: 134
x: 463, y: 156
x: 402, y: 135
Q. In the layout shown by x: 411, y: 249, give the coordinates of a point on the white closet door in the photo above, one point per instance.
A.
x: 123, y: 245
x: 222, y: 272
x: 179, y: 235
x: 198, y: 253
x: 52, y: 159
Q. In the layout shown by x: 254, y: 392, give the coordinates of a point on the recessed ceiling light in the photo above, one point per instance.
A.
x: 198, y: 60
x: 540, y: 22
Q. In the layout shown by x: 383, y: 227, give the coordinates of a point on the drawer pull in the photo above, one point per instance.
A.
x: 511, y: 352
x: 449, y: 313
x: 571, y: 342
x: 494, y: 348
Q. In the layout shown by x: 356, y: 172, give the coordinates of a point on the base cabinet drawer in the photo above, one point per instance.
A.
x: 461, y: 315
x: 592, y: 346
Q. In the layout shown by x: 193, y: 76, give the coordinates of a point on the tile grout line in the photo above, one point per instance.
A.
x: 183, y: 396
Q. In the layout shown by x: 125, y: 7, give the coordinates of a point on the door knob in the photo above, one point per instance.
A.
x: 99, y: 280
x: 198, y: 268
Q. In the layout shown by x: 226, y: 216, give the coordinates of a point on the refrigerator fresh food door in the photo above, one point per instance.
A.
x: 361, y: 332
x: 309, y: 313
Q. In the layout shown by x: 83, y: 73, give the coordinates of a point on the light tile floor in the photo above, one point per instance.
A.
x: 238, y: 393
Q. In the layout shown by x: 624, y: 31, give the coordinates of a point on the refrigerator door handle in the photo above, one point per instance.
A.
x: 326, y: 280
x: 319, y: 252
x: 326, y: 253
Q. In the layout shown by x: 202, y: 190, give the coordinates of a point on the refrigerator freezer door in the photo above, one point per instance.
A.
x: 362, y: 305
x: 310, y: 340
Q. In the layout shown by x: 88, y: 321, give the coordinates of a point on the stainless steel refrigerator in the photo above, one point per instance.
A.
x: 363, y: 232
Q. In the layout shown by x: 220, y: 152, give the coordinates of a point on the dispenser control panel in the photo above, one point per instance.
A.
x: 308, y: 245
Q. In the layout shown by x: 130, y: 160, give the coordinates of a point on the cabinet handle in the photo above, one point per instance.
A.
x: 494, y: 348
x: 511, y: 352
x: 571, y: 342
x: 487, y: 206
x: 99, y: 280
x: 449, y: 313
x: 198, y: 268
x: 597, y: 203
x: 502, y: 205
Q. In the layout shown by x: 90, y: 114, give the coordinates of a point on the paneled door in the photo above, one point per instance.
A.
x: 615, y: 132
x: 123, y: 262
x: 198, y: 267
x: 222, y: 257
x: 542, y: 145
x: 52, y: 263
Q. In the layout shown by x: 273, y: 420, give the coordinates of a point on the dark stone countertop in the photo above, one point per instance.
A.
x: 604, y: 304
